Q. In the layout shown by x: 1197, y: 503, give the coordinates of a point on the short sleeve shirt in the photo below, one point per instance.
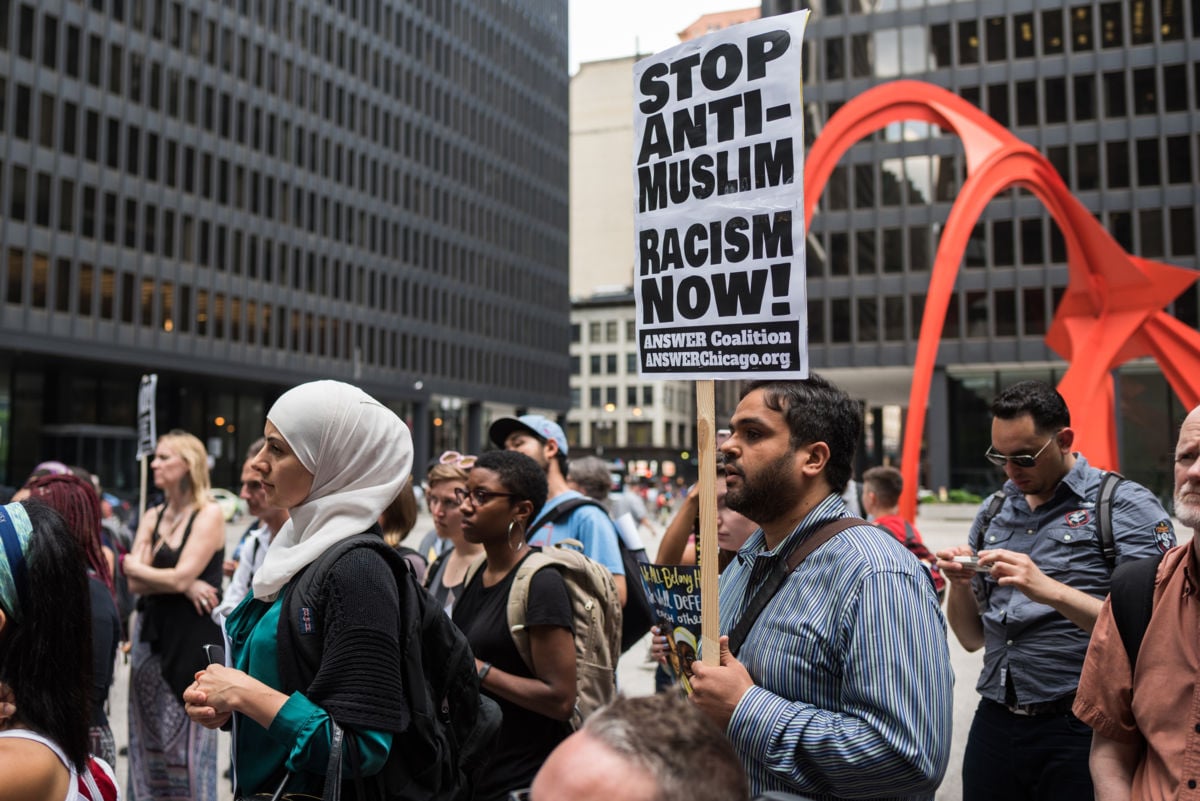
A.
x: 588, y: 524
x: 1028, y: 643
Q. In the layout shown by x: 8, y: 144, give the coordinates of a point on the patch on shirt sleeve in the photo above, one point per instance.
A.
x: 1078, y: 518
x: 305, y: 622
x: 1164, y: 535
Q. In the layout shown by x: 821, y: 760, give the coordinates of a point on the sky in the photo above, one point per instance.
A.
x: 600, y: 29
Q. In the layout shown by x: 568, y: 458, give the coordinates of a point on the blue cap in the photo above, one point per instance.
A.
x: 541, y: 427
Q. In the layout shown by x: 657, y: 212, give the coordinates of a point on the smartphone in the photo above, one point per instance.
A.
x: 215, y: 654
x: 972, y: 563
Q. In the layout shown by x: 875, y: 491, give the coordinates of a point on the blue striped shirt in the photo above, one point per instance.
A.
x: 853, y: 694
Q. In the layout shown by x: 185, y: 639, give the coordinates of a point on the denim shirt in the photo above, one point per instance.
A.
x: 1029, y: 643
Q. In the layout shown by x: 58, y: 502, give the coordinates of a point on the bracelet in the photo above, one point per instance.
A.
x: 483, y: 670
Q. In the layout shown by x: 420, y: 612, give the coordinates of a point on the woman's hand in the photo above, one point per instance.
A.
x: 220, y: 691
x: 203, y: 596
x: 659, y: 647
x: 195, y: 702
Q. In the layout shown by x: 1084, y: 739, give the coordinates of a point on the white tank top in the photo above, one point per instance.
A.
x: 73, y: 791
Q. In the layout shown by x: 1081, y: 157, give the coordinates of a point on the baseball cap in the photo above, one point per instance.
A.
x: 541, y: 427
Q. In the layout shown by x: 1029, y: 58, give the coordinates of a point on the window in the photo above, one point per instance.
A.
x: 1114, y: 94
x: 977, y: 314
x: 839, y: 320
x: 939, y: 39
x: 1150, y: 230
x: 864, y: 186
x: 893, y: 250
x: 861, y: 61
x: 919, y: 258
x: 837, y: 193
x: 1027, y: 103
x: 1172, y: 20
x: 997, y: 39
x: 1052, y: 31
x: 1116, y: 158
x: 1174, y: 91
x: 893, y: 318
x: 1183, y: 231
x: 1002, y: 243
x: 864, y: 255
x: 1112, y: 28
x: 1032, y: 251
x: 594, y: 364
x: 816, y: 321
x: 998, y: 102
x: 968, y: 42
x: 1087, y: 168
x: 1144, y: 91
x: 1179, y: 160
x: 835, y: 66
x: 1056, y: 100
x: 1085, y: 97
x: 1148, y: 173
x: 1033, y: 315
x: 1141, y: 27
x: 1023, y: 39
x: 610, y: 364
x: 839, y: 253
x: 868, y: 320
x: 17, y: 202
x: 1081, y: 29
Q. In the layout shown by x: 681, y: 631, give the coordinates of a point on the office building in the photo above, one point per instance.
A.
x: 248, y: 194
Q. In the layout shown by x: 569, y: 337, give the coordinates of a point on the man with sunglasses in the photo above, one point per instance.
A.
x: 1033, y: 595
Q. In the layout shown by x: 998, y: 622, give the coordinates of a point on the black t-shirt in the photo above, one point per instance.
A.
x: 106, y: 634
x: 526, y: 738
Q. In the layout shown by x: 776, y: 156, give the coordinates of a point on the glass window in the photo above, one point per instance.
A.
x: 1087, y: 168
x: 1052, y: 31
x: 648, y: 395
x: 816, y: 321
x: 1144, y: 91
x: 997, y: 39
x: 1114, y: 94
x: 1085, y: 97
x: 1023, y: 41
x: 575, y: 332
x: 1172, y: 19
x: 1120, y: 225
x: 1005, y: 303
x: 1033, y: 313
x: 839, y: 253
x: 893, y: 250
x: 864, y: 252
x: 946, y: 178
x: 968, y: 42
x: 594, y: 397
x: 1183, y: 231
x: 916, y: 305
x: 1179, y: 160
x: 610, y: 331
x: 1027, y: 105
x: 939, y: 39
x: 998, y: 103
x: 916, y: 179
x: 631, y: 365
x: 1056, y: 100
x: 1112, y: 28
x: 837, y: 192
x: 952, y: 328
x: 835, y: 59
x: 1059, y: 158
x: 1058, y: 246
x: 920, y: 258
x: 1002, y: 243
x: 892, y: 175
x: 1150, y: 233
x: 594, y: 330
x: 1174, y: 91
x: 839, y: 320
x: 887, y: 53
x: 594, y: 364
x: 1186, y: 307
x: 976, y: 251
x: 1116, y: 160
x: 610, y: 364
x: 1148, y: 173
x: 860, y: 55
x: 864, y: 186
x: 1081, y: 29
x: 1032, y: 251
x: 1141, y: 25
x: 977, y: 314
x: 868, y: 320
x: 893, y: 318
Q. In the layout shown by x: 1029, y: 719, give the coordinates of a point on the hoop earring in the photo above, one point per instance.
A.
x: 520, y: 542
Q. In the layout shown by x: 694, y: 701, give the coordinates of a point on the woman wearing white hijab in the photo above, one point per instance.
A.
x: 335, y: 458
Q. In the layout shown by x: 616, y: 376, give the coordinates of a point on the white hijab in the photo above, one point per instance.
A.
x: 360, y: 455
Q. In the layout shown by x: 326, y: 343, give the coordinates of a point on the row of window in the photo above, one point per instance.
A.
x: 100, y: 292
x: 1151, y: 233
x: 102, y: 216
x: 603, y: 331
x: 920, y: 180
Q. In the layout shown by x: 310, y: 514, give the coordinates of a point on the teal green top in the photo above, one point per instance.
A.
x: 299, y: 735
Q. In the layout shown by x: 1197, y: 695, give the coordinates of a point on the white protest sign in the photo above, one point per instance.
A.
x: 147, y: 435
x: 718, y: 205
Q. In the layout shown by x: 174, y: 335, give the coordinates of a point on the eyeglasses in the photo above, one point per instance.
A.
x: 480, y: 496
x: 1020, y: 460
x: 520, y: 795
x: 456, y: 459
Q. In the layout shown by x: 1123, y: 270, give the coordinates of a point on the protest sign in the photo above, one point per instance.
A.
x: 718, y: 176
x: 674, y: 592
x: 147, y: 432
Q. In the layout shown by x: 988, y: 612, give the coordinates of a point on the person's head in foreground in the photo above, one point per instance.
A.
x: 653, y: 748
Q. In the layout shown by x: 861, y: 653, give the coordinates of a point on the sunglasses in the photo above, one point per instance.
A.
x: 480, y: 496
x: 456, y: 459
x: 1020, y: 460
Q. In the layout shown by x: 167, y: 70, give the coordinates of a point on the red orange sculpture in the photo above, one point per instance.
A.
x: 1111, y: 312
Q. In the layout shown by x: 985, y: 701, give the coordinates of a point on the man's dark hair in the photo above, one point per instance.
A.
x: 518, y: 474
x: 817, y: 411
x: 886, y: 483
x: 1037, y: 399
x: 671, y: 739
x: 46, y: 657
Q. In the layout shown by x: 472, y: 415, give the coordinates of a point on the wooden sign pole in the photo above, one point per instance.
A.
x: 706, y: 429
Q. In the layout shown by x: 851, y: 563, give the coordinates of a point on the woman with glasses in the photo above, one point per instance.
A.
x: 445, y: 577
x: 503, y: 492
x: 334, y: 458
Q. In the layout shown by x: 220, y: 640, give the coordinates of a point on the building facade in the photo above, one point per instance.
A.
x: 1107, y: 91
x: 247, y: 194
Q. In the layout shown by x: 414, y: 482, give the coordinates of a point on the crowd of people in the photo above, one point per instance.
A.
x: 833, y: 678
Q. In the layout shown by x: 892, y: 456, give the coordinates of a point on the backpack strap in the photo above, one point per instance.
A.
x: 994, y: 503
x: 780, y: 570
x: 561, y: 511
x: 1104, y: 515
x: 1132, y: 600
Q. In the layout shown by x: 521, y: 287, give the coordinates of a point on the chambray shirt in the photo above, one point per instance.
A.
x: 1030, y: 643
x: 853, y: 692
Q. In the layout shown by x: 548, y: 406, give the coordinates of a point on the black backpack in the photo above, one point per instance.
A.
x: 445, y: 749
x: 1132, y: 600
x: 638, y: 614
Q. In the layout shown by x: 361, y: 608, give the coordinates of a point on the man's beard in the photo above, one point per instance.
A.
x: 769, y: 495
x: 1187, y: 506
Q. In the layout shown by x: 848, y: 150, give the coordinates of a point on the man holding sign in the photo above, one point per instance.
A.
x: 841, y: 687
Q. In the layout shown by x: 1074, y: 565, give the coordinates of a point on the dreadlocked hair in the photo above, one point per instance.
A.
x: 77, y: 503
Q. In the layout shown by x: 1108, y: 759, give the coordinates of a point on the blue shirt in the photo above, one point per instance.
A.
x: 854, y: 691
x: 1030, y: 643
x: 299, y: 735
x: 589, y: 524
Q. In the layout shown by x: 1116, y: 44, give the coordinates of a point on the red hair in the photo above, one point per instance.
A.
x: 77, y: 503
